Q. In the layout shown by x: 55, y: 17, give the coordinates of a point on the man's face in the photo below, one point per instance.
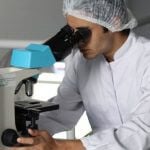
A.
x: 99, y: 41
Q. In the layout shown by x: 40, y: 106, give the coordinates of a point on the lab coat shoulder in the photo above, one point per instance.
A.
x: 141, y: 56
x: 143, y: 107
x: 144, y: 58
x: 76, y: 60
x: 144, y: 46
x: 77, y: 68
x: 73, y: 62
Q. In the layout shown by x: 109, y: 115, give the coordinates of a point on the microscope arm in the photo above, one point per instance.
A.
x: 29, y: 60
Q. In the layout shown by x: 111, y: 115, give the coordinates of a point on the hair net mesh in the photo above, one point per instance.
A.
x: 112, y: 14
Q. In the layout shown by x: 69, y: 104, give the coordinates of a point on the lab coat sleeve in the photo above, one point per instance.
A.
x: 70, y: 105
x: 131, y: 135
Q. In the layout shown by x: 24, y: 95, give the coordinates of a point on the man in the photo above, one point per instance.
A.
x: 108, y: 77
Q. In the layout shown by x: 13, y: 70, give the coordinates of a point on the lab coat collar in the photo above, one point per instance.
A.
x: 126, y: 47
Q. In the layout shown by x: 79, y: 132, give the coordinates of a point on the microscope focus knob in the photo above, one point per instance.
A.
x: 9, y: 137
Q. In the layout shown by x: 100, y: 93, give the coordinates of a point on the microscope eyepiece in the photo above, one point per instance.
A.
x: 82, y: 35
x: 63, y: 42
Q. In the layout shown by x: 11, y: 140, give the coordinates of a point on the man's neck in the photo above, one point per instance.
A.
x: 118, y: 40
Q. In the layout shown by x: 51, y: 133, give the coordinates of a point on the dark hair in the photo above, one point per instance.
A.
x: 125, y: 32
x: 105, y: 29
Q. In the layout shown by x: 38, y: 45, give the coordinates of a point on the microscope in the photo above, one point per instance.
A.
x: 19, y: 114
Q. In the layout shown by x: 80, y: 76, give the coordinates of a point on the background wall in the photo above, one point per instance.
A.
x: 38, y: 20
x: 30, y: 19
x: 140, y: 9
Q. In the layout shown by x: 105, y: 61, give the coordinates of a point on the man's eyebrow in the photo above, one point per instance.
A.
x: 78, y: 27
x: 81, y: 27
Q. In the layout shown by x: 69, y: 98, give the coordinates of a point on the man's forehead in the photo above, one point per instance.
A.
x: 76, y: 23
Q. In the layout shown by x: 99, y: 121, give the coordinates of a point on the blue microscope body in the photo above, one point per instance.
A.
x: 33, y: 56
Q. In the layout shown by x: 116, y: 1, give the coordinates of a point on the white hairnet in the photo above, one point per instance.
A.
x: 112, y: 14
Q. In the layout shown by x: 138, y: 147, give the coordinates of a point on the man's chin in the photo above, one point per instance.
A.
x: 89, y: 57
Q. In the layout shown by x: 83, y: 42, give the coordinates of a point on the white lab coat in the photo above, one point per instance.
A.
x: 116, y: 97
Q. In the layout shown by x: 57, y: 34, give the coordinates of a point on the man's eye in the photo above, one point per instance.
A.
x: 82, y: 28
